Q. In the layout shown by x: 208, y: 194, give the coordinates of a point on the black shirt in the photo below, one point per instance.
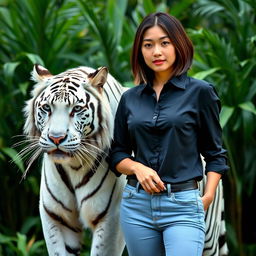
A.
x: 169, y: 135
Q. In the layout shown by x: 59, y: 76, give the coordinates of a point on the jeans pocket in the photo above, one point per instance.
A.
x: 186, y: 197
x: 128, y: 192
x: 200, y: 203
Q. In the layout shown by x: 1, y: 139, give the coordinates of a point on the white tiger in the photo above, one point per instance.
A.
x: 70, y: 119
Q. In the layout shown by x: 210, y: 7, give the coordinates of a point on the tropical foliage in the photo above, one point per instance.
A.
x: 61, y: 34
x: 227, y: 56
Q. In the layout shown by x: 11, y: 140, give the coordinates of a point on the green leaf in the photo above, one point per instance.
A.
x: 253, y: 39
x: 204, y: 74
x: 34, y: 184
x: 34, y: 58
x: 24, y: 87
x: 149, y: 6
x: 2, y: 157
x: 115, y: 14
x: 180, y: 7
x: 248, y: 121
x: 6, y: 239
x: 248, y: 67
x: 29, y: 223
x: 252, y: 91
x: 36, y: 246
x: 208, y: 8
x: 9, y: 69
x: 248, y: 106
x: 10, y: 242
x: 22, y: 244
x: 226, y: 113
x: 232, y: 235
x: 13, y: 154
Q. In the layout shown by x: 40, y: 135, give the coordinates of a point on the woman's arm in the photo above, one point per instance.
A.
x: 210, y: 143
x: 147, y: 177
x: 212, y: 182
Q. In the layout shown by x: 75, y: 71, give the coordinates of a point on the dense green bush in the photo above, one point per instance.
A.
x: 226, y: 54
x: 61, y: 34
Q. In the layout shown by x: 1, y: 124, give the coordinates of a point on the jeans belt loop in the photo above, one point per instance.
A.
x: 169, y: 191
x: 137, y: 187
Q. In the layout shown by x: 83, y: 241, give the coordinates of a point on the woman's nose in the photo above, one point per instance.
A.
x: 157, y: 51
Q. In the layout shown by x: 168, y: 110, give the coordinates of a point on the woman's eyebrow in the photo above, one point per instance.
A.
x: 161, y: 38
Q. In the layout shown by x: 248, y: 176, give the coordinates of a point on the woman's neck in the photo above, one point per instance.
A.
x: 161, y: 78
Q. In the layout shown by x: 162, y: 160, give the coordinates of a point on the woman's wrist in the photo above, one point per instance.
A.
x: 134, y: 167
x: 209, y: 196
x: 127, y: 166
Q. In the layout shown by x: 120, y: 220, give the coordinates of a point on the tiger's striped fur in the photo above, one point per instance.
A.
x: 215, y: 240
x: 70, y: 119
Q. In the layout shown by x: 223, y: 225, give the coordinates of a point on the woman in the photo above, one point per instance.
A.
x: 161, y: 128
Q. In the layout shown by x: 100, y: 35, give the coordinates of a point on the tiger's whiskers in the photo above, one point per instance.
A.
x: 32, y: 149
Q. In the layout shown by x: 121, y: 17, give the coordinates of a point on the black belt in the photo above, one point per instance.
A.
x: 175, y: 187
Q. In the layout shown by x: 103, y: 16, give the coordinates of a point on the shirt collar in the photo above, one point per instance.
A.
x: 177, y: 81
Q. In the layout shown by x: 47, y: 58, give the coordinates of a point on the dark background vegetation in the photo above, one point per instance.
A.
x: 61, y: 34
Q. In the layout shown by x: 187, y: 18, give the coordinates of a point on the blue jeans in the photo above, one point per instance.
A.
x: 170, y: 224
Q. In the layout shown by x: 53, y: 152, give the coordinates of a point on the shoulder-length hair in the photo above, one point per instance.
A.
x: 181, y: 42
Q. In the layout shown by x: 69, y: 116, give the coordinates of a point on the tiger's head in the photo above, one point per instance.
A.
x: 68, y: 116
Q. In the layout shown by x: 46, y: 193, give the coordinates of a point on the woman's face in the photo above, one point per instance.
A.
x: 158, y: 50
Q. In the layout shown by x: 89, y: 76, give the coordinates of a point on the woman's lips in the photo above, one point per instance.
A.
x: 158, y: 62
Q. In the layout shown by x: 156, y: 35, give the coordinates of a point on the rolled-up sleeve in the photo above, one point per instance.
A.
x: 120, y: 148
x: 210, y: 132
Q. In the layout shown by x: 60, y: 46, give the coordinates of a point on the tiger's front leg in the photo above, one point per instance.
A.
x: 103, y: 218
x: 60, y: 241
x: 61, y: 227
x: 107, y: 238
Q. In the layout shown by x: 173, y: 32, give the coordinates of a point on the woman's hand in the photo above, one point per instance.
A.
x: 207, y: 200
x: 148, y: 178
x: 212, y: 182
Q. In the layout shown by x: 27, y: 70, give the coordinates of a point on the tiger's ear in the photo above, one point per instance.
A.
x: 39, y: 73
x: 98, y: 78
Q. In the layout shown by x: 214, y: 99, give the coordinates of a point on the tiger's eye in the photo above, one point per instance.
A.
x: 46, y: 108
x: 77, y: 108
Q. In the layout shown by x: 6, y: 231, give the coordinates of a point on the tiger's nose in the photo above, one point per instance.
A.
x: 57, y: 139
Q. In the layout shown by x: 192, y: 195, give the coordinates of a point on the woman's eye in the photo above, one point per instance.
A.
x: 165, y: 43
x: 147, y: 45
x: 77, y: 108
x: 46, y: 108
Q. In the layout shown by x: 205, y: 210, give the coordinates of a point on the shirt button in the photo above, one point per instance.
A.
x: 155, y: 117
